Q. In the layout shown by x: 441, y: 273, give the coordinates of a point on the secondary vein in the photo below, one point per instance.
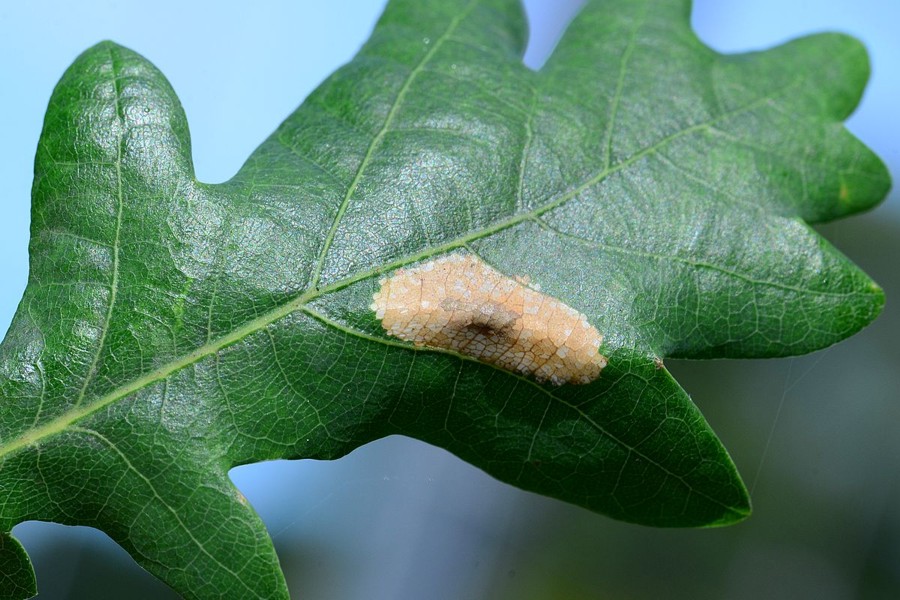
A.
x: 376, y: 141
x: 114, y: 282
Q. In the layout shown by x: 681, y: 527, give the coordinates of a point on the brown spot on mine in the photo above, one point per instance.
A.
x: 459, y: 303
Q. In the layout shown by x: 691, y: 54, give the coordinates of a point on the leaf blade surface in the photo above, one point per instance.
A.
x: 173, y: 329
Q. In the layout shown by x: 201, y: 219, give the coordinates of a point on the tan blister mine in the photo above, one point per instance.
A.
x: 459, y: 303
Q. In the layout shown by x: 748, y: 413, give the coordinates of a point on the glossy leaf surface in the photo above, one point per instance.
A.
x: 173, y: 329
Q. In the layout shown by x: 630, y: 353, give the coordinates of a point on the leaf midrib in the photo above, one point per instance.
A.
x: 61, y: 422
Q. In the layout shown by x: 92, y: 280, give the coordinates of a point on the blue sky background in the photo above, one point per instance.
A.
x: 397, y: 519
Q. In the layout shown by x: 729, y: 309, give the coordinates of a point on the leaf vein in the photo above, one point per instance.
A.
x: 376, y: 141
x: 114, y: 283
x: 130, y: 466
x: 620, y: 85
x: 693, y: 263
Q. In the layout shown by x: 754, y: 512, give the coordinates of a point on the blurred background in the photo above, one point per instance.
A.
x: 815, y: 437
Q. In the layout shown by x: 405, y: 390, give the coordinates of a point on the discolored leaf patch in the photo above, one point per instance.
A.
x: 459, y: 303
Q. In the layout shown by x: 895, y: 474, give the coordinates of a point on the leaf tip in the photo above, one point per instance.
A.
x: 863, y: 188
x: 734, y: 516
x: 878, y: 298
x: 107, y: 47
x: 737, y: 510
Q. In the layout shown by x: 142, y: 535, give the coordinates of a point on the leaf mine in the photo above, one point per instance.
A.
x: 459, y: 303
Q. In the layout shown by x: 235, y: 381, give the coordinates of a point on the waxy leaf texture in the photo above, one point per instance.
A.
x: 172, y: 329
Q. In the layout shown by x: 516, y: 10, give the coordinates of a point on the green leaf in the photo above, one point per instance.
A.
x: 16, y: 574
x: 172, y: 329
